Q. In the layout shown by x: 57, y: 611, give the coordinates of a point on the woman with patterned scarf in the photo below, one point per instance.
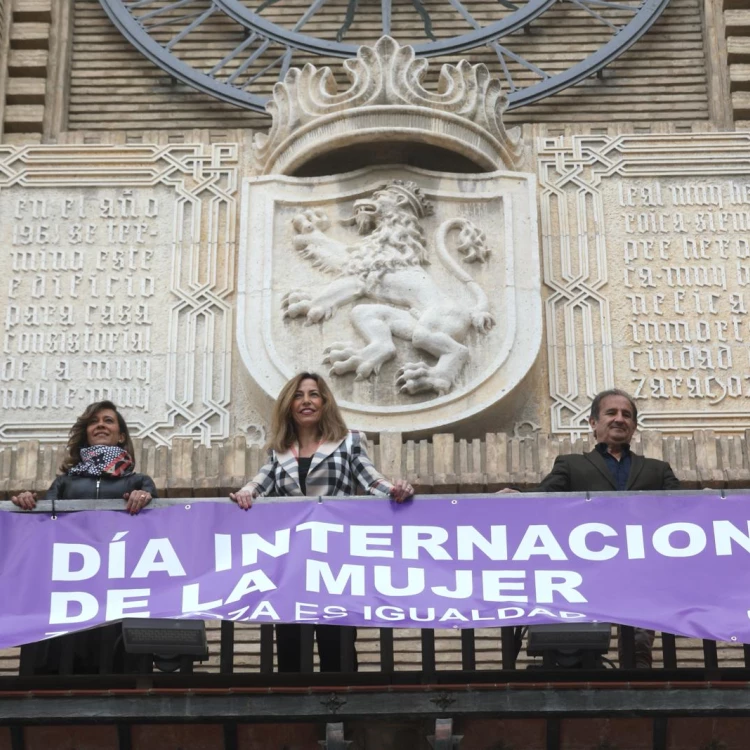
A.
x: 99, y: 465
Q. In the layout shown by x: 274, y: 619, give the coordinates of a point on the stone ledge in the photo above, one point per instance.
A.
x: 701, y: 459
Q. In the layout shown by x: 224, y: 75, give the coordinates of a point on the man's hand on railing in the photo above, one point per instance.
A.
x: 25, y: 500
x: 243, y: 498
x: 507, y: 491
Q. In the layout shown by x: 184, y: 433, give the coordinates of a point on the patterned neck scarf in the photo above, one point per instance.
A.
x: 103, y: 461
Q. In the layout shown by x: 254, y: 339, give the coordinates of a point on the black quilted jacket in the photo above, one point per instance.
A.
x: 71, y: 487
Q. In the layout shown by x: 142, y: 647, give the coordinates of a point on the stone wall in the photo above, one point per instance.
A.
x: 662, y: 78
x: 69, y: 68
x: 737, y: 23
x: 645, y: 267
x: 124, y: 262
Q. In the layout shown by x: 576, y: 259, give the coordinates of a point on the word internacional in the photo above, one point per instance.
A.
x: 673, y: 562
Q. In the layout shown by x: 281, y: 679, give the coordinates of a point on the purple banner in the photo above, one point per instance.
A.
x: 678, y: 563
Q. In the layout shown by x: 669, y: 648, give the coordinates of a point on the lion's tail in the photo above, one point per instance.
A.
x: 472, y: 244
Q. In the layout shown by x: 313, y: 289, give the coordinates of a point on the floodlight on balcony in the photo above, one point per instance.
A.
x: 170, y: 642
x: 570, y: 645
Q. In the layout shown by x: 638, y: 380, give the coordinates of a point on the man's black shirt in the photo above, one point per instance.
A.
x: 620, y: 470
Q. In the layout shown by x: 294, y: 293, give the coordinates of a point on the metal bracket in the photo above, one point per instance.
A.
x: 443, y: 700
x: 333, y: 703
x: 444, y: 739
x: 334, y: 737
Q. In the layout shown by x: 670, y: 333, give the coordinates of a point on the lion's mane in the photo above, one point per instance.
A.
x: 398, y: 241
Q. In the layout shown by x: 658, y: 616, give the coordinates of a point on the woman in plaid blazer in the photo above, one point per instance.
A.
x: 312, y: 453
x: 337, y: 468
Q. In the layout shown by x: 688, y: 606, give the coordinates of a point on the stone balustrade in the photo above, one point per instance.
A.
x: 443, y: 464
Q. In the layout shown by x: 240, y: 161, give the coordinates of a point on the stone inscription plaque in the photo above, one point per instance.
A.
x: 86, y: 277
x: 115, y: 266
x: 647, y: 268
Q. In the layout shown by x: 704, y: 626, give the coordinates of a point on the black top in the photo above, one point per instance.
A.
x: 620, y: 470
x: 304, y: 467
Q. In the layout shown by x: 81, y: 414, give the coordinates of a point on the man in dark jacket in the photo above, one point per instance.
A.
x: 613, y: 466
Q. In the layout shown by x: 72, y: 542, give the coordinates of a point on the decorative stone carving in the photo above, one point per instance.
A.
x: 255, y: 434
x: 388, y: 271
x: 117, y: 269
x: 392, y: 269
x: 385, y: 101
x: 647, y: 267
x: 526, y: 429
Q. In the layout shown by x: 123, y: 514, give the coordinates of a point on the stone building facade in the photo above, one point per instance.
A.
x: 135, y: 269
x: 182, y: 257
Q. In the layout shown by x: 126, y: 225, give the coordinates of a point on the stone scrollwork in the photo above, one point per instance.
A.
x: 525, y: 429
x: 386, y: 275
x: 386, y: 90
x: 255, y: 434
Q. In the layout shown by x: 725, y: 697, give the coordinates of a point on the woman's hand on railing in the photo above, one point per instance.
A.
x: 401, y: 491
x: 243, y: 498
x: 136, y: 500
x: 25, y: 500
x: 507, y: 491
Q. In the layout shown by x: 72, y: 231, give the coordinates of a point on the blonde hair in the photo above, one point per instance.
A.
x: 283, y: 429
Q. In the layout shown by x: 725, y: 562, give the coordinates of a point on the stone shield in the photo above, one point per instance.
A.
x: 418, y: 292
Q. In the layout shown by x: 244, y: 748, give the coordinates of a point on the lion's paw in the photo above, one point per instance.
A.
x: 343, y: 358
x: 419, y: 377
x: 339, y: 350
x: 296, y: 303
x: 317, y: 314
x: 367, y: 369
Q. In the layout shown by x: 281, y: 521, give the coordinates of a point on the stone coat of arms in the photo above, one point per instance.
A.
x: 386, y: 275
x: 418, y: 292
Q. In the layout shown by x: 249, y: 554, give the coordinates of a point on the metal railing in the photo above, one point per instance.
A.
x: 705, y: 660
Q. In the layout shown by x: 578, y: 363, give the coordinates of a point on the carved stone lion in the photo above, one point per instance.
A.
x: 388, y: 267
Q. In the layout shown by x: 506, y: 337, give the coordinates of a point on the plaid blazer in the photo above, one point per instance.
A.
x: 336, y: 469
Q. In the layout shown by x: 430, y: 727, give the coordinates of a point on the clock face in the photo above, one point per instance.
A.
x: 236, y: 50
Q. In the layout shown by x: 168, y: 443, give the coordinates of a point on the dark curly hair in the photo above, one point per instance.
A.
x: 77, y: 438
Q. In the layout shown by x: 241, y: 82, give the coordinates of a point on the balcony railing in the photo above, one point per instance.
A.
x: 241, y: 653
x: 440, y: 675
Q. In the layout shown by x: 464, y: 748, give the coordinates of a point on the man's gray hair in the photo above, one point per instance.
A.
x: 597, y: 402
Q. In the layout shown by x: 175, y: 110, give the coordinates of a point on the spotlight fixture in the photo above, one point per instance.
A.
x: 173, y: 644
x: 579, y: 645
